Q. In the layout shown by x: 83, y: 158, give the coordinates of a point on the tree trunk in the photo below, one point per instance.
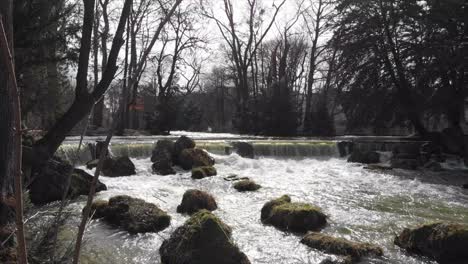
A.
x: 84, y: 101
x: 11, y: 201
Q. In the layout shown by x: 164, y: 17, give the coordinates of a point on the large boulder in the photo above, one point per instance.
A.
x: 194, y: 157
x: 244, y: 149
x: 443, y: 242
x: 295, y: 217
x: 246, y: 186
x: 183, y: 143
x: 118, y: 166
x: 164, y: 150
x: 340, y: 246
x: 366, y: 157
x: 203, y: 172
x: 131, y: 214
x: 50, y: 182
x: 162, y: 157
x: 196, y: 200
x: 203, y: 239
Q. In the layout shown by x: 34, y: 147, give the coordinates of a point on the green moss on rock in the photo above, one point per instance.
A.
x: 340, y: 246
x: 294, y: 217
x: 246, y: 186
x: 98, y: 209
x: 196, y: 200
x: 443, y: 242
x: 132, y: 214
x: 203, y: 172
x: 203, y: 239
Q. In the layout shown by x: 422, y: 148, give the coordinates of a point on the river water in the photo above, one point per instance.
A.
x: 362, y: 205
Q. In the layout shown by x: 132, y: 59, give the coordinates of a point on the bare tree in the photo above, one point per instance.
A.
x: 243, y: 46
x: 315, y: 17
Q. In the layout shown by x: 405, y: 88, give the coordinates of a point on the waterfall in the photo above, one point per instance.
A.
x: 268, y: 148
x: 280, y: 148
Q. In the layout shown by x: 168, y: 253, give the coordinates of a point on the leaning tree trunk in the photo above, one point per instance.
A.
x: 84, y: 100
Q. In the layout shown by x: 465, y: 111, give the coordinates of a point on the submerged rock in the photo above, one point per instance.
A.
x: 344, y: 260
x: 234, y: 177
x: 203, y: 172
x: 244, y: 149
x: 246, y: 186
x: 132, y: 214
x: 443, y: 242
x: 196, y: 200
x: 192, y: 158
x: 203, y: 239
x: 433, y: 166
x: 50, y: 182
x: 378, y: 167
x: 340, y: 246
x: 366, y: 157
x: 119, y: 166
x: 295, y: 217
x: 405, y: 164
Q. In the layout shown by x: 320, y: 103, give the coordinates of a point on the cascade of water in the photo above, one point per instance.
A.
x: 296, y: 149
x: 70, y: 153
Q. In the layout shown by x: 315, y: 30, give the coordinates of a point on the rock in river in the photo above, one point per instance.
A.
x: 131, y: 214
x: 246, y: 186
x: 192, y: 158
x: 50, y: 182
x: 340, y: 246
x: 203, y: 172
x: 203, y: 239
x: 444, y: 242
x: 294, y: 217
x: 118, y: 166
x: 196, y: 200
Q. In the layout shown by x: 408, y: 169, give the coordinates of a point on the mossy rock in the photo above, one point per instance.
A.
x: 268, y: 207
x: 340, y: 246
x: 203, y: 239
x: 98, y: 209
x: 194, y: 157
x: 132, y: 214
x: 246, y: 186
x: 443, y: 242
x: 203, y: 172
x: 295, y: 217
x: 196, y: 200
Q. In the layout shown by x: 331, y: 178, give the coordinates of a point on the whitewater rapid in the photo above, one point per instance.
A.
x: 362, y: 205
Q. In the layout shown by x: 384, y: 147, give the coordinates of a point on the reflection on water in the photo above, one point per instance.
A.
x: 362, y: 205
